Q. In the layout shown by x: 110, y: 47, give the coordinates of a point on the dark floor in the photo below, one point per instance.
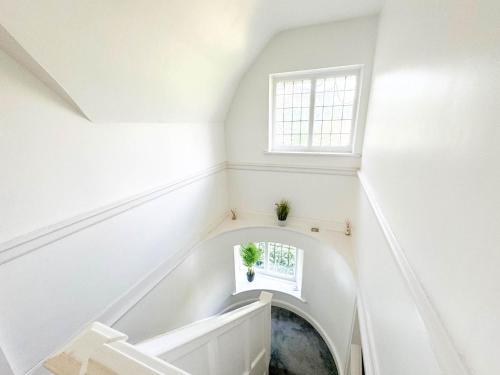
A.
x: 297, y: 348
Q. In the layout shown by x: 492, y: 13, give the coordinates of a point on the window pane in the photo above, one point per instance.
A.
x: 306, y: 86
x: 297, y: 100
x: 320, y: 85
x: 304, y: 140
x: 349, y: 97
x: 306, y: 98
x: 291, y: 111
x: 305, y: 114
x: 260, y: 262
x: 280, y: 88
x: 327, y: 113
x: 350, y: 83
x: 329, y: 84
x: 282, y: 259
x: 279, y: 101
x: 297, y: 114
x: 304, y: 127
x: 336, y: 127
x: 333, y: 111
x: 278, y: 115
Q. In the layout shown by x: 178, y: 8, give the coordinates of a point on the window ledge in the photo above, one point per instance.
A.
x: 265, y: 282
x: 313, y: 153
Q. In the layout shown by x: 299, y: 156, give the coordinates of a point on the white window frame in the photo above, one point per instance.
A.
x: 267, y: 271
x: 313, y: 75
x: 296, y: 278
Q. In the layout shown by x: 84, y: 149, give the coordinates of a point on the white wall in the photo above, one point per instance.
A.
x: 163, y: 61
x: 401, y: 343
x: 431, y: 156
x: 327, y: 199
x: 328, y: 285
x: 329, y: 45
x: 198, y: 288
x: 204, y: 284
x: 55, y: 165
x: 255, y: 184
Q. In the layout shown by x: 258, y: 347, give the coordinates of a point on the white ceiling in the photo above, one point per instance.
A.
x: 157, y: 60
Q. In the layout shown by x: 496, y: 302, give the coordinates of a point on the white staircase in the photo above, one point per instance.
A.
x: 237, y: 342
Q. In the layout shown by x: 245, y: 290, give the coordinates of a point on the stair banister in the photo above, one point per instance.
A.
x: 101, y: 350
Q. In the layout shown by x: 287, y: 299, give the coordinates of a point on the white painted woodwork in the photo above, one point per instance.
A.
x: 237, y: 342
x: 356, y: 367
x: 387, y: 311
x: 100, y: 350
x: 159, y: 61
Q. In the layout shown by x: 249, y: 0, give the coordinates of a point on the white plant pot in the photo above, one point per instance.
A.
x: 282, y: 223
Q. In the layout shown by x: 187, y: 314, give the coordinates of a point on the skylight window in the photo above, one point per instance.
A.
x: 314, y: 111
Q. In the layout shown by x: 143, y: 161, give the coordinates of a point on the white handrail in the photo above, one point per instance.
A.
x: 98, y: 350
x: 101, y: 350
x: 181, y: 336
x: 240, y: 339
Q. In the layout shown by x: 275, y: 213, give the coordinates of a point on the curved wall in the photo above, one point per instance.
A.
x: 203, y: 284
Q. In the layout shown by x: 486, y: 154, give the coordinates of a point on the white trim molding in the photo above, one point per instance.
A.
x: 444, y: 349
x: 311, y: 153
x: 27, y: 243
x: 369, y: 353
x: 38, y: 239
x: 291, y: 168
x: 114, y: 311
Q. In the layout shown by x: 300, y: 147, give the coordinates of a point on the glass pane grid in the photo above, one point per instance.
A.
x: 333, y: 111
x: 291, y: 112
x: 261, y: 262
x: 282, y: 259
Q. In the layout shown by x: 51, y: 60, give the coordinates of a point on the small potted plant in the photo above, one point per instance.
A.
x: 282, y: 210
x: 250, y: 254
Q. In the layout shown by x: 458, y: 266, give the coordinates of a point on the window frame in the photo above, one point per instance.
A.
x: 314, y: 75
x: 295, y: 279
x: 266, y: 271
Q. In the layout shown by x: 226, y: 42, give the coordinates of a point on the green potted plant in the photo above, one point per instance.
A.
x: 250, y: 254
x: 282, y: 210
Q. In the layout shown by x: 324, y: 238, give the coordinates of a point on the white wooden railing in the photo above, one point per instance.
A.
x: 234, y: 343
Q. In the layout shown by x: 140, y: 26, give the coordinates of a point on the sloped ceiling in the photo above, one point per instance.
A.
x: 157, y: 60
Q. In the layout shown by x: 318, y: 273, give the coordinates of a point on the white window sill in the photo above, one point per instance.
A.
x: 313, y: 153
x: 266, y: 282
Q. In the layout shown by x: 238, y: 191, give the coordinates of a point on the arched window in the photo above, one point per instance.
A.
x: 279, y: 268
